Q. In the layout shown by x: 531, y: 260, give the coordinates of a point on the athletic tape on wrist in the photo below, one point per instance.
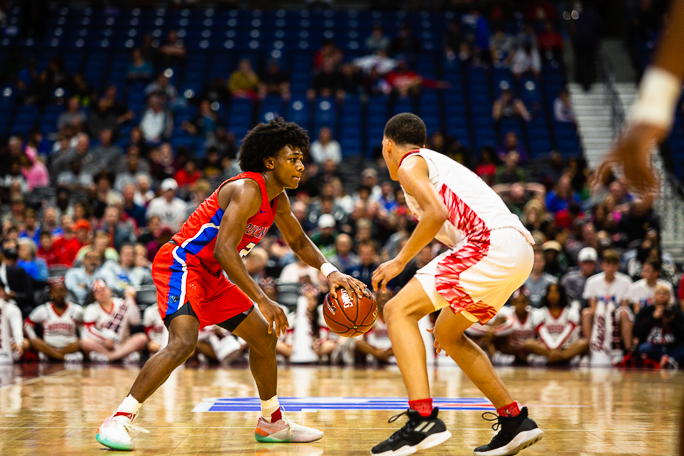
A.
x: 327, y: 269
x: 658, y: 93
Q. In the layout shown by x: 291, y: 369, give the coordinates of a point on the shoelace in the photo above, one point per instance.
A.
x: 396, y: 417
x: 495, y: 426
x: 133, y: 427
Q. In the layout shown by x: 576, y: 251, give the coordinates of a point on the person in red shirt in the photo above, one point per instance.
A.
x: 75, y: 236
x: 550, y: 44
x: 404, y: 81
x: 47, y: 250
x: 188, y: 175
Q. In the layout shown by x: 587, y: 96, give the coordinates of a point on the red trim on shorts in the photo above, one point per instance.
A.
x: 449, y: 270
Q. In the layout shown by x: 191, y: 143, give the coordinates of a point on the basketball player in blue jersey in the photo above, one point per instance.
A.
x: 192, y: 291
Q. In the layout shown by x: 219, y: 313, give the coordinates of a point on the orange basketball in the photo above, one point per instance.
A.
x: 354, y: 316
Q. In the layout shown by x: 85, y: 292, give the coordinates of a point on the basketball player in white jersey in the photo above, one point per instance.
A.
x: 520, y: 321
x: 107, y: 323
x: 490, y: 256
x: 62, y: 322
x: 12, y: 342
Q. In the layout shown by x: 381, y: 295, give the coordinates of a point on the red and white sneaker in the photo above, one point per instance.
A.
x: 113, y: 433
x: 285, y: 431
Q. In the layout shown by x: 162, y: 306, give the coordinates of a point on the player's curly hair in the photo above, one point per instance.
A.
x: 267, y: 139
x: 406, y: 129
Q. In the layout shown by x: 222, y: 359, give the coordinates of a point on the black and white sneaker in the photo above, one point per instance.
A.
x: 419, y: 433
x: 515, y: 434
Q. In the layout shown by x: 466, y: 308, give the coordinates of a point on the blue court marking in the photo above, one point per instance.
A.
x: 299, y: 404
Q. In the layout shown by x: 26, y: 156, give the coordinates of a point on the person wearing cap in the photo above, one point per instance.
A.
x: 61, y: 322
x: 574, y: 279
x: 79, y: 280
x: 17, y: 285
x: 108, y: 326
x: 554, y: 256
x: 12, y: 342
x: 326, y: 234
x: 169, y: 208
x: 538, y: 280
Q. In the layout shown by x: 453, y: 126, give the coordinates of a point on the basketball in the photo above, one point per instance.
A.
x: 355, y: 316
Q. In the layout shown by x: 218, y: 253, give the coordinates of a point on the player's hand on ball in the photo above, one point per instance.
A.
x: 633, y: 151
x: 273, y: 313
x: 386, y: 272
x: 349, y: 283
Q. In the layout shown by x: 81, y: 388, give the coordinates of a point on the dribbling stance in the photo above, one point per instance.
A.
x: 490, y: 256
x: 192, y: 291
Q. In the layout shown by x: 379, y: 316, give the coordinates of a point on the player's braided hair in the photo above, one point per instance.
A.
x: 267, y: 139
x: 406, y: 129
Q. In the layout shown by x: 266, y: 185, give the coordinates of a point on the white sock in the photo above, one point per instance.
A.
x: 129, y: 405
x: 269, y: 407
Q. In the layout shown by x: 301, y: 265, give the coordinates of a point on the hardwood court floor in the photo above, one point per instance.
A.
x: 583, y: 412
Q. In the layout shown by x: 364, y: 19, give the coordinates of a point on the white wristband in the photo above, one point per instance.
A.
x: 327, y: 269
x: 658, y: 94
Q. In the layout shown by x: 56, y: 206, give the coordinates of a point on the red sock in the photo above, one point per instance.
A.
x: 276, y: 416
x: 422, y: 406
x: 512, y: 409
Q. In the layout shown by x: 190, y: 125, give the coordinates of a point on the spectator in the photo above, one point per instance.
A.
x: 108, y: 322
x: 139, y: 69
x: 108, y: 152
x: 169, y: 208
x: 453, y: 39
x: 217, y: 91
x: 10, y: 318
x: 540, y: 10
x: 486, y: 168
x: 328, y: 51
x: 35, y: 267
x: 560, y: 197
x: 134, y: 168
x: 156, y: 124
x: 47, y: 250
x: 575, y: 279
x: 17, y: 283
x: 75, y: 180
x: 608, y: 297
x: 377, y: 41
x: 344, y: 258
x: 72, y: 115
x: 130, y: 208
x: 79, y: 280
x: 639, y: 220
x: 326, y: 82
x: 163, y: 88
x: 102, y: 118
x: 144, y: 193
x: 188, y: 175
x: 31, y: 228
x: 527, y: 36
x: 90, y: 163
x: 660, y: 330
x: 34, y: 170
x: 299, y: 272
x: 517, y: 195
x: 117, y: 106
x: 325, y: 147
x: 75, y: 236
x: 406, y: 45
x: 510, y: 172
x: 508, y: 107
x: 501, y: 48
x: 119, y: 276
x: 119, y: 231
x: 585, y: 34
x: 554, y: 258
x: 539, y: 280
x: 205, y: 122
x: 173, y: 51
x: 61, y: 322
x: 244, y: 82
x: 642, y: 293
x: 378, y: 62
x: 351, y: 81
x: 551, y: 45
x: 155, y: 329
x: 326, y: 234
x: 526, y: 60
x: 404, y: 82
x: 562, y: 108
x: 368, y: 259
x: 274, y: 81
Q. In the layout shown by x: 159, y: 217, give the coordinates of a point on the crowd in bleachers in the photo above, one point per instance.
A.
x: 102, y: 165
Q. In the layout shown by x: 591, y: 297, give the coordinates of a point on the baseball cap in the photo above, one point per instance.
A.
x: 326, y: 221
x: 82, y: 224
x: 552, y: 245
x: 369, y: 172
x: 587, y: 254
x: 169, y: 184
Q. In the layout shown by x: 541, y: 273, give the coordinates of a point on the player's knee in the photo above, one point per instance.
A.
x: 265, y: 344
x: 181, y: 348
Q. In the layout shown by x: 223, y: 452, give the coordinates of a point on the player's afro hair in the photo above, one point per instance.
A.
x: 267, y: 139
x: 406, y: 129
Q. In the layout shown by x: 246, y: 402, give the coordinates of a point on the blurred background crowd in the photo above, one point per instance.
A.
x: 104, y: 158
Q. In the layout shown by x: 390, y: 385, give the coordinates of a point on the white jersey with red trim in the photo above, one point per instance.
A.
x: 11, y: 331
x: 519, y: 330
x: 154, y: 326
x: 100, y: 324
x: 558, y: 332
x: 378, y: 337
x: 473, y: 206
x: 59, y: 329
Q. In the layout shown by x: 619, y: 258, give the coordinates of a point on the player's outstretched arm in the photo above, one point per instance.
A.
x: 415, y: 178
x: 240, y: 200
x: 653, y: 113
x: 305, y: 249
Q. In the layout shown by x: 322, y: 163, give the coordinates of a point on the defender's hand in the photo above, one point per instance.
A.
x: 437, y: 345
x: 386, y: 272
x: 633, y: 152
x: 273, y: 313
x: 338, y: 280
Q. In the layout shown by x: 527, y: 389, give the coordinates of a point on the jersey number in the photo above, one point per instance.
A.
x: 247, y: 249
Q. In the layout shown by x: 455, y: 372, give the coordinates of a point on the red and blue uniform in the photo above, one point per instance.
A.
x: 185, y: 270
